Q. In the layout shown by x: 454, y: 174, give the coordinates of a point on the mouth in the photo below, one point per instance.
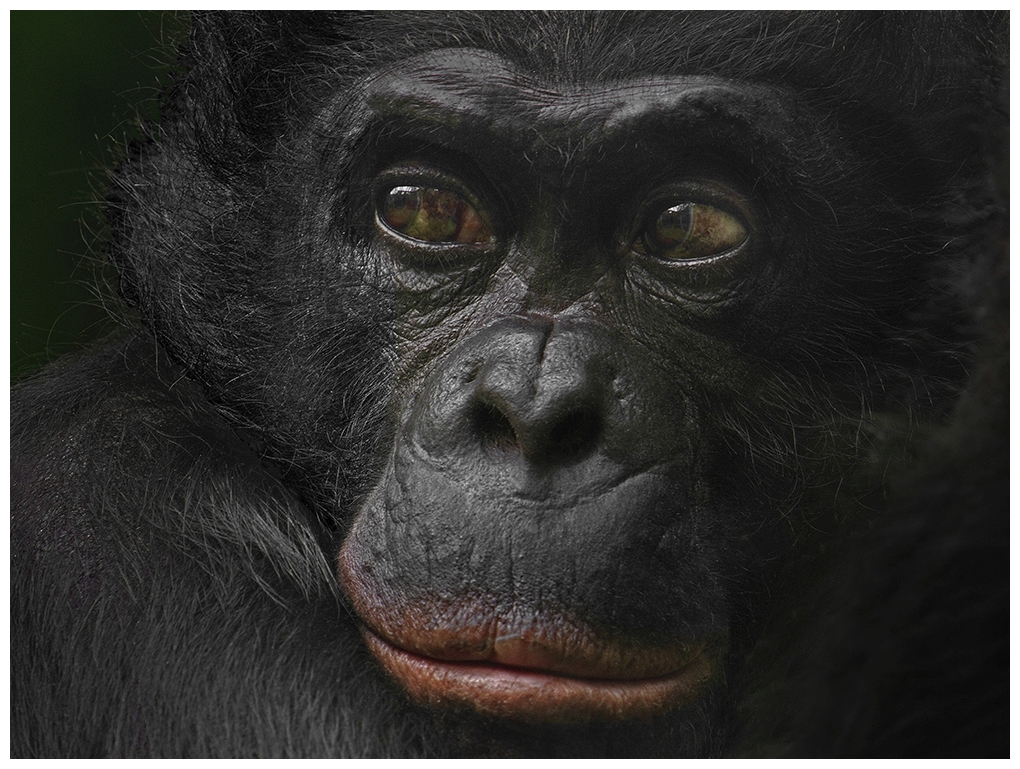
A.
x: 520, y: 681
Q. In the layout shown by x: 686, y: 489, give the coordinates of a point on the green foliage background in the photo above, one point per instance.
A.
x: 79, y: 83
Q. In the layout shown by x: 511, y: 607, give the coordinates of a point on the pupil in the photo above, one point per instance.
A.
x: 402, y: 206
x: 674, y: 224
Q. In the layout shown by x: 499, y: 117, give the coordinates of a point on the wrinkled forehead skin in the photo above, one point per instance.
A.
x: 480, y: 91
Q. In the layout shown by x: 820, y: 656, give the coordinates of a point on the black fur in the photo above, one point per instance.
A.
x: 180, y: 492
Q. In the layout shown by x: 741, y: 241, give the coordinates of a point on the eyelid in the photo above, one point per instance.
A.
x: 421, y: 174
x: 428, y: 174
x: 701, y: 191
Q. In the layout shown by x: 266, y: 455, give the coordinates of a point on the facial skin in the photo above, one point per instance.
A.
x: 572, y: 268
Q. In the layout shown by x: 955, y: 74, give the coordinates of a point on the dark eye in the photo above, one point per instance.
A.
x: 432, y: 215
x: 687, y: 231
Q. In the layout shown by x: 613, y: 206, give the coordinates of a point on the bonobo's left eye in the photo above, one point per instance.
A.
x: 679, y: 230
x: 432, y: 215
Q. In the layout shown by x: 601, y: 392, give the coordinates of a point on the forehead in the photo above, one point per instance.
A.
x: 478, y: 92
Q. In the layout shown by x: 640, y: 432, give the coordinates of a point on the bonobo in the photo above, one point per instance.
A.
x: 502, y: 383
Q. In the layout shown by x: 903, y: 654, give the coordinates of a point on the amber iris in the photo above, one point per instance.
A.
x: 687, y: 231
x: 433, y: 215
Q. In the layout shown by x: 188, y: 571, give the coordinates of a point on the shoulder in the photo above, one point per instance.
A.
x: 87, y: 398
x: 117, y: 458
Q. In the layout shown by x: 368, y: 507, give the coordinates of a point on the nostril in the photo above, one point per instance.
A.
x: 493, y: 429
x: 562, y: 441
x: 572, y: 437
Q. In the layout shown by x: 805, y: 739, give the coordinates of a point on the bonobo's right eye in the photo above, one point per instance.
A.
x: 432, y: 215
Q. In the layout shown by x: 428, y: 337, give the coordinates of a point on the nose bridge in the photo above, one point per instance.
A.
x: 558, y: 258
x: 537, y: 370
x: 564, y: 373
x: 514, y: 358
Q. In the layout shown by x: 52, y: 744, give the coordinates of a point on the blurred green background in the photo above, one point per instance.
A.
x: 79, y: 82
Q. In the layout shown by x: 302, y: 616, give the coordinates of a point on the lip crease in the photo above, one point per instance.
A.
x: 524, y: 681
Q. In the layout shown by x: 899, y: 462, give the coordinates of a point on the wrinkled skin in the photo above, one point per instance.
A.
x: 498, y: 378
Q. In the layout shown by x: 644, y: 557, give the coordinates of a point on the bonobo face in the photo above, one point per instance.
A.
x: 579, y: 273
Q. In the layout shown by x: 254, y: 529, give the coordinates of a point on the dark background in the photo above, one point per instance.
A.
x: 79, y: 83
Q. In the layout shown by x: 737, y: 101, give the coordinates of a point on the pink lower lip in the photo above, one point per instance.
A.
x: 536, y: 695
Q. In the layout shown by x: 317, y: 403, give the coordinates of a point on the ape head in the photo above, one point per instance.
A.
x: 568, y: 327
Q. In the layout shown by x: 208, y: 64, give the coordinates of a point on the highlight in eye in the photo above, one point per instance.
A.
x: 432, y: 215
x: 683, y: 231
